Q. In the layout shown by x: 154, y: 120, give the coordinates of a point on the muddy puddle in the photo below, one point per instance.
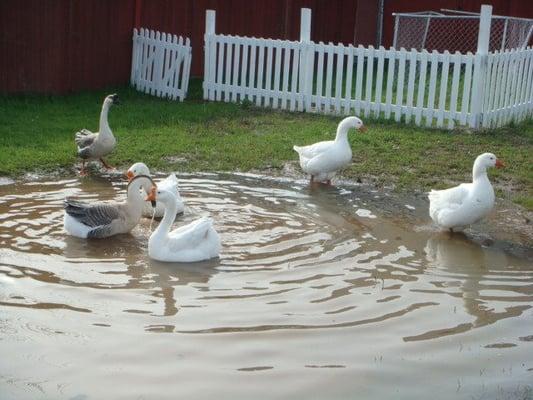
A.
x: 331, y: 293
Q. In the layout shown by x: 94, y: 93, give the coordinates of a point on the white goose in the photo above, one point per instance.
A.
x: 94, y: 146
x: 463, y: 205
x: 323, y: 159
x: 170, y: 183
x: 101, y: 220
x: 196, y: 241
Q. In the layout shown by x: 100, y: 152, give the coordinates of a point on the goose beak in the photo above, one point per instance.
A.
x: 362, y: 128
x: 130, y: 175
x: 499, y: 163
x: 151, y: 197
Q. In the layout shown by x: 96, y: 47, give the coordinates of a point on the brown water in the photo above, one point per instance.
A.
x: 325, y: 294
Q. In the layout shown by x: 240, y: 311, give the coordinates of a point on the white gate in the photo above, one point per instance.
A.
x: 160, y: 64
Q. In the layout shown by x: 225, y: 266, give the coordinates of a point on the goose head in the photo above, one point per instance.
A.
x: 484, y: 161
x: 137, y: 169
x: 351, y: 122
x: 138, y: 182
x: 164, y: 196
x: 112, y: 99
x: 488, y: 160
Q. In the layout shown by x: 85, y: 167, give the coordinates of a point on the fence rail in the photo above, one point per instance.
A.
x: 160, y: 64
x: 438, y: 89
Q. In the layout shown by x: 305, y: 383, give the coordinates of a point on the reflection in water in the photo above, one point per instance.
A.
x: 310, y: 281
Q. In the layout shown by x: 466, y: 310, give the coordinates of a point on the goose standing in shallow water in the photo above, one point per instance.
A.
x: 170, y: 183
x: 196, y: 241
x: 94, y: 146
x: 100, y: 220
x: 323, y: 159
x: 463, y: 205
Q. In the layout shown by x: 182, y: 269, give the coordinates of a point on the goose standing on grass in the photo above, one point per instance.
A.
x: 463, y: 205
x: 170, y: 183
x: 323, y: 159
x: 101, y: 220
x: 94, y: 146
x: 196, y: 241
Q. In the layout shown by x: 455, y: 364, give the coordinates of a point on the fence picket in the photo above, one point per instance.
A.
x: 391, y: 67
x: 411, y: 84
x: 379, y: 81
x: 339, y: 76
x: 243, y: 85
x: 260, y: 67
x: 320, y: 76
x: 359, y: 78
x: 329, y: 78
x: 432, y: 88
x: 443, y: 88
x: 268, y: 96
x: 421, y: 87
x: 235, y: 71
x: 369, y: 80
x: 295, y: 72
x: 399, y: 87
x: 285, y: 88
x: 467, y: 88
x: 349, y: 74
x: 456, y: 60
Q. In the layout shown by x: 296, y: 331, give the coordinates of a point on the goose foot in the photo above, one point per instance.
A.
x: 83, y: 171
x: 106, y: 165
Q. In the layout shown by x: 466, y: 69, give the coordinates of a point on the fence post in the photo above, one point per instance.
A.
x: 480, y: 67
x: 306, y: 62
x: 209, y: 57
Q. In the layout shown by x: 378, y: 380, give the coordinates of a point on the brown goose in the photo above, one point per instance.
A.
x: 100, y: 220
x: 94, y: 146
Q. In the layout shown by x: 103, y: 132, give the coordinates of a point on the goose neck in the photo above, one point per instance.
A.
x: 168, y: 218
x: 104, y: 124
x: 479, y: 172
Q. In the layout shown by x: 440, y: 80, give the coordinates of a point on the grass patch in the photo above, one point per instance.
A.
x: 37, y: 134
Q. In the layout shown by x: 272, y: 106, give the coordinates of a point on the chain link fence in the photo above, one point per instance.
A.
x: 435, y: 31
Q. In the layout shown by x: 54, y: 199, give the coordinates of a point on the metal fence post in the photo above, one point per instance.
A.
x: 209, y: 57
x: 480, y: 67
x: 306, y: 61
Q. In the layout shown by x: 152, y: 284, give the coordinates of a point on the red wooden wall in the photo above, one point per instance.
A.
x: 333, y: 21
x: 64, y: 45
x: 59, y: 46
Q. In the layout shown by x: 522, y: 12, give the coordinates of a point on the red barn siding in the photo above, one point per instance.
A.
x: 59, y: 46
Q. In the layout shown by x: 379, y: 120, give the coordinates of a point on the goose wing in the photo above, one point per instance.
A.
x: 84, y: 138
x: 313, y: 150
x: 98, y: 216
x: 170, y: 183
x: 191, y: 235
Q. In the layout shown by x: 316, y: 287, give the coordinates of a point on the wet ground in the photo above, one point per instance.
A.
x: 343, y: 292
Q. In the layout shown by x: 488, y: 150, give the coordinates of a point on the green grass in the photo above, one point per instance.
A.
x: 36, y: 133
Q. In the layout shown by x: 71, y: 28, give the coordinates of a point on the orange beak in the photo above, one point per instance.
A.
x: 499, y: 163
x: 362, y: 128
x: 130, y: 175
x: 151, y: 197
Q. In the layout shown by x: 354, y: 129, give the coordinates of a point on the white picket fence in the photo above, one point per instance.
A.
x: 509, y: 87
x: 435, y: 89
x: 160, y: 64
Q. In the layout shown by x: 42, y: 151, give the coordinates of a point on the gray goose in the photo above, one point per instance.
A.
x: 94, y: 146
x: 101, y: 220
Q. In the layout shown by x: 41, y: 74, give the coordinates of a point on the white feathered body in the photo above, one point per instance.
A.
x: 323, y: 159
x: 170, y: 183
x: 196, y: 241
x: 463, y: 205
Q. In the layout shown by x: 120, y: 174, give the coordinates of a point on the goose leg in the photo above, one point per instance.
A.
x: 106, y: 165
x: 83, y: 171
x: 312, y: 179
x: 328, y: 182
